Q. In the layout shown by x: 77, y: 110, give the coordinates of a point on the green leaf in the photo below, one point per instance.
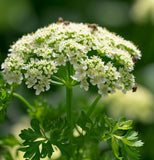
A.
x: 7, y: 155
x: 36, y: 145
x: 109, y: 121
x: 3, y: 111
x: 138, y: 143
x: 35, y: 125
x: 29, y: 135
x: 125, y: 125
x: 9, y: 140
x: 47, y: 150
x: 115, y: 147
x: 31, y: 150
x: 130, y: 153
x: 132, y: 135
x: 120, y: 133
x: 84, y: 121
x: 131, y: 139
x: 5, y: 96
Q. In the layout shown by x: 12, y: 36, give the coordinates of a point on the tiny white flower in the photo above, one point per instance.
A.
x: 103, y: 90
x: 80, y: 72
x: 84, y: 84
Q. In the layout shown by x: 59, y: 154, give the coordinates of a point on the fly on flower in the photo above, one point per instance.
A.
x: 93, y: 26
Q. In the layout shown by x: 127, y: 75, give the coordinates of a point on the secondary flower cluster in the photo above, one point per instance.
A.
x: 98, y: 57
x: 131, y: 106
x: 143, y: 11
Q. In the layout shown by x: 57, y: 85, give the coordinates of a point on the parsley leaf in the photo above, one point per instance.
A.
x: 36, y: 145
x: 5, y: 96
x: 123, y: 140
x: 9, y: 141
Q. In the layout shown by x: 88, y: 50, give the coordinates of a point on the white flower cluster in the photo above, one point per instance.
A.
x: 131, y: 106
x: 97, y: 56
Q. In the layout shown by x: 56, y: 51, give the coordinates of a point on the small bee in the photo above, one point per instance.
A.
x: 60, y: 19
x: 134, y: 89
x: 93, y: 26
x: 66, y: 23
x: 135, y: 59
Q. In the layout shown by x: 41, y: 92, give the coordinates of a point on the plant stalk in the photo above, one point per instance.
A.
x: 69, y: 103
x: 69, y: 107
x: 92, y: 107
x: 23, y: 100
x: 69, y: 96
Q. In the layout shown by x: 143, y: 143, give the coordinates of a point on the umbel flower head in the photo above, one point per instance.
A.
x: 96, y: 56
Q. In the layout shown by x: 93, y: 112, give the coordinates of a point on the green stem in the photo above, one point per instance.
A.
x: 92, y: 107
x: 69, y: 95
x: 56, y: 83
x: 58, y: 79
x: 69, y: 105
x: 23, y: 100
x: 69, y: 108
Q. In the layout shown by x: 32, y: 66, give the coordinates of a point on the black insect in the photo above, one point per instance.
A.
x: 134, y: 89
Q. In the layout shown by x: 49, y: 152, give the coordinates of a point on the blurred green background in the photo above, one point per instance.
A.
x: 132, y: 19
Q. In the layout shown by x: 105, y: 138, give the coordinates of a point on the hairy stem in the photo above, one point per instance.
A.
x: 92, y: 107
x: 23, y: 100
